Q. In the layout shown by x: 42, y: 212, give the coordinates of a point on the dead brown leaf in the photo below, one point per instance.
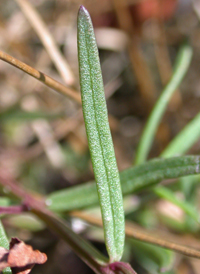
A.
x: 21, y: 257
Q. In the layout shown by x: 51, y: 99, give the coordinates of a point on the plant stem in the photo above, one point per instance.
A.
x: 45, y: 79
x: 181, y: 67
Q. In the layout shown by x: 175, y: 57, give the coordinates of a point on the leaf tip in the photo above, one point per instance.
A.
x: 83, y: 11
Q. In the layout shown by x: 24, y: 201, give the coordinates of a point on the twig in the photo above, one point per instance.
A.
x: 53, y: 84
x: 89, y: 255
x: 17, y: 209
x: 139, y: 233
x: 163, y: 61
x: 45, y: 36
x: 142, y: 73
x: 48, y: 81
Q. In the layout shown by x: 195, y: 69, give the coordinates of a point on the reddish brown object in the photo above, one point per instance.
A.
x: 140, y: 12
x: 21, y: 257
x: 159, y: 9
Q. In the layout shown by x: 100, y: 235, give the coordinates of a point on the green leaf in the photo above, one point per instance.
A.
x: 3, y: 238
x: 132, y: 179
x: 153, y: 258
x: 184, y: 140
x: 178, y: 146
x: 25, y: 221
x: 181, y: 67
x: 99, y: 138
x: 4, y: 243
x: 189, y: 187
x: 5, y: 201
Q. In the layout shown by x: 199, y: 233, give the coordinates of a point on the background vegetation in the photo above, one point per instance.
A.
x: 43, y: 142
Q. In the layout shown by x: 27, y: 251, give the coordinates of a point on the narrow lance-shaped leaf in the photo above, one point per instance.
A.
x: 152, y: 258
x: 132, y: 179
x: 178, y: 146
x: 4, y: 243
x: 184, y: 140
x: 3, y: 238
x: 99, y: 138
x: 181, y: 67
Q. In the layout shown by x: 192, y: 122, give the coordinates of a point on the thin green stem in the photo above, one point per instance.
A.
x: 184, y: 140
x: 181, y: 67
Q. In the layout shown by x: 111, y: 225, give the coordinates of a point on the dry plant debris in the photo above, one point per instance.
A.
x: 20, y: 257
